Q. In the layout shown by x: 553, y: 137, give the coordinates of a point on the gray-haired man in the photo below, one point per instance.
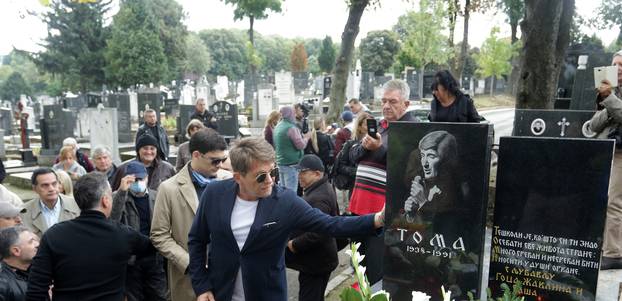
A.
x: 102, y: 157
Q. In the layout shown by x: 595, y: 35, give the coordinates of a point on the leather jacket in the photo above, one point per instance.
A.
x: 13, y: 284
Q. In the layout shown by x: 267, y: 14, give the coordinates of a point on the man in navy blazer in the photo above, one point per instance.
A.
x: 247, y: 221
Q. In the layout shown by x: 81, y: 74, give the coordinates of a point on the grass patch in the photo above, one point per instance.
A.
x: 500, y: 100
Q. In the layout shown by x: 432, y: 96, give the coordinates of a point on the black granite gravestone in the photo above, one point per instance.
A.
x: 149, y: 99
x: 226, y: 115
x: 552, y: 123
x: 6, y: 121
x: 121, y: 101
x: 327, y: 84
x: 367, y: 86
x: 55, y: 127
x: 583, y: 90
x: 551, y: 202
x: 171, y: 107
x: 412, y: 78
x: 301, y: 81
x: 185, y: 111
x: 437, y: 175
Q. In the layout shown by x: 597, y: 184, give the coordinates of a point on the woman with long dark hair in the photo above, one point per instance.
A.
x: 449, y: 103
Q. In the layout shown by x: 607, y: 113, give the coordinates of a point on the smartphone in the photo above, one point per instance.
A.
x: 372, y: 127
x: 609, y: 73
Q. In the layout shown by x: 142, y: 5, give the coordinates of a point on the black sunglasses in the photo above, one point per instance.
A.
x: 216, y: 161
x: 274, y: 173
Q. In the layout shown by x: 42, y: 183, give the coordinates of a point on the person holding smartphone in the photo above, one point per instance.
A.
x: 606, y: 123
x: 370, y: 154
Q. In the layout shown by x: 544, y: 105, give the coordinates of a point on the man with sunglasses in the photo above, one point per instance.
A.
x: 247, y: 222
x: 177, y: 202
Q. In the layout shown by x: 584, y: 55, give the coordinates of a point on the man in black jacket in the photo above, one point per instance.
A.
x: 153, y: 128
x: 86, y: 258
x: 313, y: 255
x: 17, y: 247
x: 204, y: 115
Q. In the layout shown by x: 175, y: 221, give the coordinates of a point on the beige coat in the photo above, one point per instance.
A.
x: 173, y: 213
x: 34, y: 220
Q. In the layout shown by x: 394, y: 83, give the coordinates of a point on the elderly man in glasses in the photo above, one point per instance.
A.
x: 177, y: 202
x: 247, y: 221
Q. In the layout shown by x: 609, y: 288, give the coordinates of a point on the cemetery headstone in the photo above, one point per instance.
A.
x: 328, y: 83
x: 104, y: 129
x: 583, y: 93
x: 428, y: 80
x: 187, y: 94
x: 412, y: 79
x: 121, y: 101
x: 226, y: 114
x: 550, y: 208
x: 284, y: 87
x: 553, y: 123
x: 83, y: 122
x: 93, y: 100
x: 54, y: 128
x: 171, y: 107
x: 6, y: 121
x: 149, y: 99
x: 436, y: 208
x: 367, y: 86
x: 202, y: 90
x: 301, y: 81
x: 265, y: 100
x: 185, y: 111
x: 222, y: 87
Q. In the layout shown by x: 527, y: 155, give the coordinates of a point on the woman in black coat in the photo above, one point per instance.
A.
x: 449, y: 103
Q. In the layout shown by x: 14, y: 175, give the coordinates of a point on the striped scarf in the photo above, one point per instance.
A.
x: 370, y: 184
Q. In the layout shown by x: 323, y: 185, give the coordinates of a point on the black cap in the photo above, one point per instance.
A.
x: 146, y: 139
x: 311, y: 162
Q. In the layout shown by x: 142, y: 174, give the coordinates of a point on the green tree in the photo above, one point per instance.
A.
x: 378, y: 51
x: 313, y: 65
x: 424, y: 42
x: 74, y: 47
x: 168, y: 16
x: 608, y: 15
x: 494, y: 58
x: 197, y: 59
x: 313, y: 46
x: 13, y: 87
x: 20, y: 62
x: 470, y: 6
x: 274, y: 52
x: 227, y: 48
x: 326, y: 59
x: 515, y: 11
x: 299, y: 58
x: 135, y: 54
x: 253, y: 10
x: 343, y: 61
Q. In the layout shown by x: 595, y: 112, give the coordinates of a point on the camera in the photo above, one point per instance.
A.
x: 305, y: 108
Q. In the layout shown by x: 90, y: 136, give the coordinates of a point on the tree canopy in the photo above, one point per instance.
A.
x: 299, y: 58
x: 378, y: 50
x: 326, y: 58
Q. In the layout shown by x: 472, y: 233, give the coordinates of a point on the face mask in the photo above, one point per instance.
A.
x: 138, y: 187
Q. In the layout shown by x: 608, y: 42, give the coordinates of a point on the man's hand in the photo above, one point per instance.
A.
x: 379, y: 219
x: 290, y: 246
x: 207, y: 296
x: 370, y: 143
x: 126, y: 182
x: 605, y: 88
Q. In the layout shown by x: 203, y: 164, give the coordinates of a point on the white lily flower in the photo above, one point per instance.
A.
x: 446, y: 294
x: 360, y: 257
x: 419, y: 296
x: 382, y: 292
x: 357, y: 245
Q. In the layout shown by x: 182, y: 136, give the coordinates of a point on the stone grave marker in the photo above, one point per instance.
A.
x: 185, y: 111
x: 436, y: 208
x: 83, y: 122
x: 55, y: 127
x: 171, y: 107
x: 93, y: 99
x: 265, y: 100
x: 226, y: 114
x: 121, y: 101
x: 104, y: 129
x: 149, y: 98
x: 301, y: 81
x: 367, y: 86
x: 550, y: 208
x: 412, y: 78
x: 553, y: 123
x: 284, y: 87
x: 6, y: 121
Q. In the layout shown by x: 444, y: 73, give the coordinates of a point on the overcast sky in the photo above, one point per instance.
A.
x: 299, y: 18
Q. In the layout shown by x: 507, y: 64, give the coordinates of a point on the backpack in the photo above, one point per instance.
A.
x: 340, y: 180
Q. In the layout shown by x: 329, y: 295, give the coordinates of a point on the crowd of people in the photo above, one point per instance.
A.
x: 221, y: 224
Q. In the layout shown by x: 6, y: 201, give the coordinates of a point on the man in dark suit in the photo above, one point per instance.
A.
x: 314, y: 255
x: 247, y: 221
x: 86, y: 258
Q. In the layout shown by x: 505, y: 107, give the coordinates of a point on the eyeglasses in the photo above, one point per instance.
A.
x: 217, y: 161
x: 264, y: 175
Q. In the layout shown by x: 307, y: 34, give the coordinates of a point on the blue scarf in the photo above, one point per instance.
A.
x: 200, y: 180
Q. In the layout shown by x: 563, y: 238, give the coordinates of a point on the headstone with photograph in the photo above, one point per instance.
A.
x: 226, y: 114
x: 437, y: 194
x: 149, y: 98
x: 121, y: 101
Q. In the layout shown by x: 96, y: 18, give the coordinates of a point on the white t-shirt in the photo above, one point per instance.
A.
x: 242, y: 218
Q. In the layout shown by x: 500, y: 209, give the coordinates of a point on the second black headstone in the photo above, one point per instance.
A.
x: 226, y: 115
x: 551, y: 202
